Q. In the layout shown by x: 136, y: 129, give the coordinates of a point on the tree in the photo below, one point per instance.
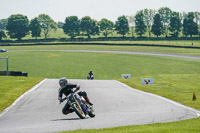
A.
x: 89, y: 26
x: 122, y: 26
x: 47, y: 24
x: 148, y: 19
x: 182, y: 16
x: 175, y: 24
x: 106, y: 26
x: 157, y: 27
x: 131, y: 21
x: 3, y: 23
x: 71, y: 26
x: 197, y: 20
x: 165, y: 14
x: 189, y: 26
x: 197, y: 17
x: 18, y: 26
x: 2, y: 34
x: 60, y: 25
x: 140, y: 27
x: 35, y: 28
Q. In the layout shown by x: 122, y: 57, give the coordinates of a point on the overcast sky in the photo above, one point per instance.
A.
x: 58, y: 10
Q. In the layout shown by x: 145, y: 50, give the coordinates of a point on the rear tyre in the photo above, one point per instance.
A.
x: 78, y: 111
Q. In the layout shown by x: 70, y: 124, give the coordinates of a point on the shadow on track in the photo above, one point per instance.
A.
x: 68, y: 119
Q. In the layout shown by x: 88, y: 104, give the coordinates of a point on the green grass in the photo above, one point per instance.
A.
x: 186, y: 126
x: 12, y: 87
x: 185, y: 51
x: 177, y: 87
x: 105, y: 66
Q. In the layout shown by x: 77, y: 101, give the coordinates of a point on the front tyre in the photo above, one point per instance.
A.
x: 91, y: 113
x: 78, y: 111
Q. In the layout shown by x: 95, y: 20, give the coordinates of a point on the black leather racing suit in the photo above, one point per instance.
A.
x: 66, y: 91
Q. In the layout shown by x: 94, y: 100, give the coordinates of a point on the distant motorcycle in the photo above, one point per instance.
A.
x: 91, y: 77
x: 80, y: 106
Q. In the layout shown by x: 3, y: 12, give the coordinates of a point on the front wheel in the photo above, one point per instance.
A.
x: 78, y: 111
x: 91, y: 113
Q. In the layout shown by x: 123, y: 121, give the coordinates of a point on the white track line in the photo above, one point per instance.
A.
x: 163, y: 98
x: 19, y: 98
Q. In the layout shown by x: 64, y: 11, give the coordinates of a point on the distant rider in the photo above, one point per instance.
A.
x: 66, y: 89
x: 90, y: 75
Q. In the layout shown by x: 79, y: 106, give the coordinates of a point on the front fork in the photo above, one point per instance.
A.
x: 80, y: 104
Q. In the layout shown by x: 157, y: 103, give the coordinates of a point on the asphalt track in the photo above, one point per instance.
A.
x: 115, y: 104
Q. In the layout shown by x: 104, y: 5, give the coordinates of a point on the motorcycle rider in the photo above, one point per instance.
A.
x: 66, y: 88
x: 90, y: 75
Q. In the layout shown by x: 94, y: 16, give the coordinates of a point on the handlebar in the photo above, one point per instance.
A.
x: 63, y: 100
x: 67, y: 97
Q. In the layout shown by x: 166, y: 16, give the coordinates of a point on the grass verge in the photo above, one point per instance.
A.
x: 177, y: 87
x: 13, y: 87
x: 186, y: 126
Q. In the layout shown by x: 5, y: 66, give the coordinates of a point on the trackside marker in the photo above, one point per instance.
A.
x: 147, y: 81
x: 19, y: 98
x: 126, y: 76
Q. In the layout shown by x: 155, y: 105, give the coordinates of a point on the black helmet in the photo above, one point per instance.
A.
x: 63, y: 82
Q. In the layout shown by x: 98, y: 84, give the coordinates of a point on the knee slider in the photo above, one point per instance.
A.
x: 84, y: 93
x: 64, y: 112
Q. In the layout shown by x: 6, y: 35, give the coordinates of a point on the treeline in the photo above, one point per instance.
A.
x: 162, y: 22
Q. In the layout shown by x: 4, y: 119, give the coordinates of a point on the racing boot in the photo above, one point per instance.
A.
x: 87, y: 100
x: 84, y: 95
x: 70, y: 110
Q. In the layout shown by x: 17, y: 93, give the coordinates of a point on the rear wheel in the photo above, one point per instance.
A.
x: 78, y: 111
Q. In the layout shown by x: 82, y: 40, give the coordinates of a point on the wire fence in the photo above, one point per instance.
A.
x: 4, y: 64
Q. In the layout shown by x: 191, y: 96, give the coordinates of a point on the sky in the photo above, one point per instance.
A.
x: 58, y: 10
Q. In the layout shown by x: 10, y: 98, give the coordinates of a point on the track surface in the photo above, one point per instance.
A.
x: 115, y: 104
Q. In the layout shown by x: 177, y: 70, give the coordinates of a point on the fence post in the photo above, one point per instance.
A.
x: 7, y: 65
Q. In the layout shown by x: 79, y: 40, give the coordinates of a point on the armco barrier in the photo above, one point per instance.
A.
x: 13, y: 73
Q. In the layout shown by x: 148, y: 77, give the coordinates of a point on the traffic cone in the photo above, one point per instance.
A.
x: 194, y: 96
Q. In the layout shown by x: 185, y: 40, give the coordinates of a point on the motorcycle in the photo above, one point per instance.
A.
x: 90, y: 77
x: 80, y: 106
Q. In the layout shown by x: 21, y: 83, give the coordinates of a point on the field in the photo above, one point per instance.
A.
x: 58, y: 36
x: 175, y: 78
